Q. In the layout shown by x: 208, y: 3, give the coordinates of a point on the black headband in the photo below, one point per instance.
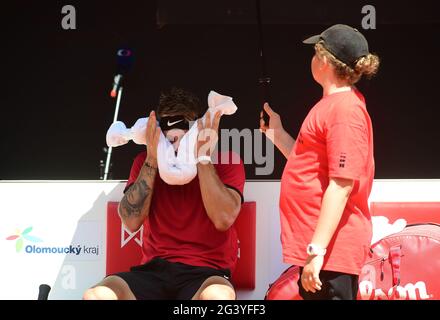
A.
x: 174, y: 122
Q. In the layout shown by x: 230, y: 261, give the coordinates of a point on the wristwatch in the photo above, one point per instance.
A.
x: 314, y: 250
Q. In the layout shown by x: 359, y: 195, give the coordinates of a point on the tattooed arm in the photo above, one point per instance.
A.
x: 135, y: 205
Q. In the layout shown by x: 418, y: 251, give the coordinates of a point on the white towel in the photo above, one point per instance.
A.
x: 173, y: 169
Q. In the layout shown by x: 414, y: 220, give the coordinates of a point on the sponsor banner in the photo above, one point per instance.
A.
x: 55, y: 236
x: 85, y: 244
x: 54, y: 232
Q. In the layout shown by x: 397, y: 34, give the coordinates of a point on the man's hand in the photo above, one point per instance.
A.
x: 153, y: 135
x: 310, y: 275
x: 208, y: 134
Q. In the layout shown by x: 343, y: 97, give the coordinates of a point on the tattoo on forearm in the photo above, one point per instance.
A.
x: 150, y: 170
x: 133, y: 201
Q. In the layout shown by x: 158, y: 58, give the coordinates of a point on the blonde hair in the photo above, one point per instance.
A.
x: 367, y: 65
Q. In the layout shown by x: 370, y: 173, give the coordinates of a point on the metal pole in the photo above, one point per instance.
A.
x: 115, y: 118
x: 264, y: 79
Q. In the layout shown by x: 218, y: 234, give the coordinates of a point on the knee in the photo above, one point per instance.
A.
x: 218, y: 292
x: 99, y: 293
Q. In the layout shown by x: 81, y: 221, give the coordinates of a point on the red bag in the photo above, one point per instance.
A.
x: 285, y: 287
x: 404, y: 265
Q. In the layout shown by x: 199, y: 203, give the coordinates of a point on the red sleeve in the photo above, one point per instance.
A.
x: 135, y: 169
x: 230, y: 170
x: 347, y: 143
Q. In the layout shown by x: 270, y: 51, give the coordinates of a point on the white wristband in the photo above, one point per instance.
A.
x: 314, y: 250
x: 205, y: 159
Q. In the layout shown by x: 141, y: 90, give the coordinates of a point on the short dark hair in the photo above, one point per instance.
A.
x: 178, y: 101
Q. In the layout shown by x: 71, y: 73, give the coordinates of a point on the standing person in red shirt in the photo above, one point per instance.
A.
x: 189, y: 242
x: 325, y: 220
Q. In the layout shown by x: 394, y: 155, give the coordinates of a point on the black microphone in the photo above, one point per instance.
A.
x: 124, y: 62
x: 43, y: 292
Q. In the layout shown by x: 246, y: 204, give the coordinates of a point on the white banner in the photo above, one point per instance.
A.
x: 54, y: 232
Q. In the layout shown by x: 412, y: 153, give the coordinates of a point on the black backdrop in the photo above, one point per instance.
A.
x: 55, y: 104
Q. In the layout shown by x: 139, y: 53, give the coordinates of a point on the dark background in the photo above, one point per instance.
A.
x: 55, y: 104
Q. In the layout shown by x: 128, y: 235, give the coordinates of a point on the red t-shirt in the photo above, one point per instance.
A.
x: 335, y: 141
x: 178, y: 228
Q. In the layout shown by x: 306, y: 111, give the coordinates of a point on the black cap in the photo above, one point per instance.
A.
x: 344, y: 42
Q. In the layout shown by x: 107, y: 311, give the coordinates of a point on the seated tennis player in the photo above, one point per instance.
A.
x: 189, y: 243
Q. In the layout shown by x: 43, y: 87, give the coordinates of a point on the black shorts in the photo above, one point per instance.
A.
x: 160, y: 279
x: 335, y: 286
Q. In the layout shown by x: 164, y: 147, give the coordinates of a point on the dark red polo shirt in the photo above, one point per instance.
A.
x: 178, y: 228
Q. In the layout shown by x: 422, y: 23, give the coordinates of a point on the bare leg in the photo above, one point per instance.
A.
x: 111, y: 288
x: 215, y: 288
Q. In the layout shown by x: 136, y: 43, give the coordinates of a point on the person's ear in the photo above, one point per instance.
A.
x: 324, y: 63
